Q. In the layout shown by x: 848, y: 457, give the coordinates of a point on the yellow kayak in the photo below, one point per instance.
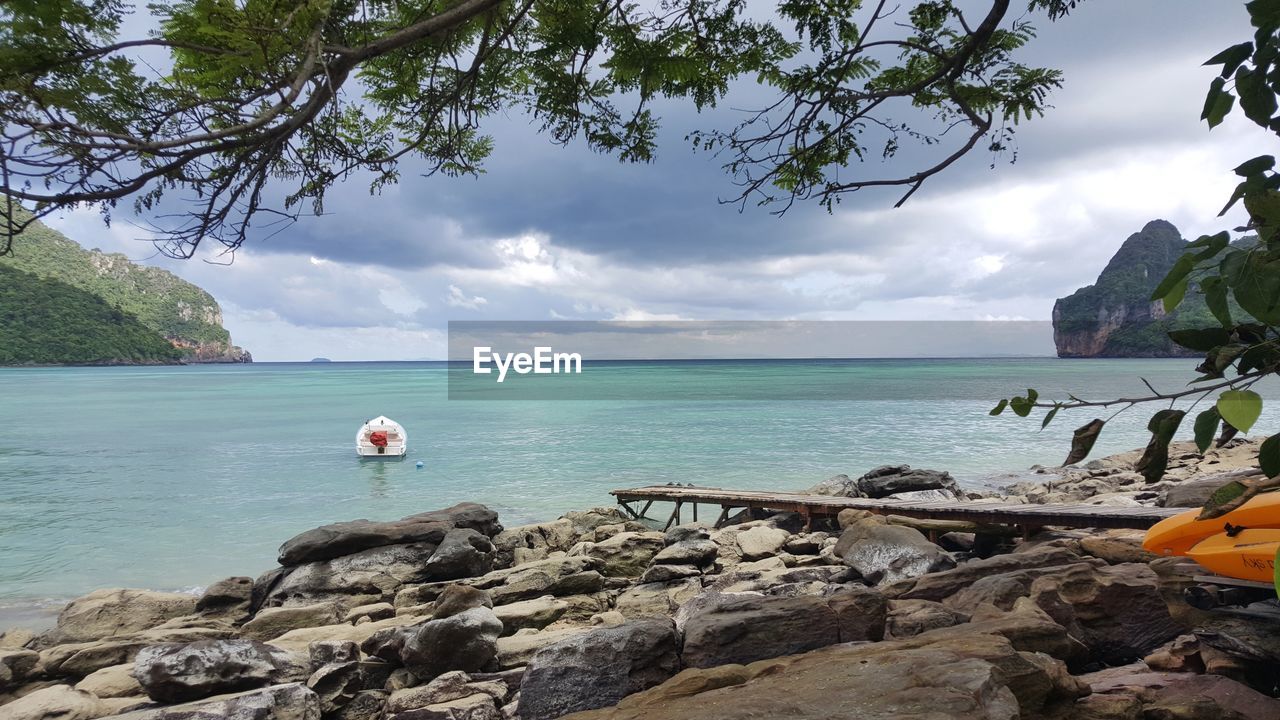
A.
x: 1250, y: 555
x: 1178, y: 534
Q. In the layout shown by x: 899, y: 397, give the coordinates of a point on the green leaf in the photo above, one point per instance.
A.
x: 1215, y: 296
x: 1224, y: 495
x: 1177, y: 274
x: 1217, y: 103
x: 1257, y: 99
x: 1231, y: 58
x: 999, y: 408
x: 1255, y: 281
x: 1155, y: 458
x: 1206, y: 425
x: 1262, y: 163
x: 1241, y: 408
x: 1174, y: 298
x: 1083, y: 439
x: 1022, y: 406
x: 1204, y: 339
x: 1269, y: 456
x: 1048, y: 417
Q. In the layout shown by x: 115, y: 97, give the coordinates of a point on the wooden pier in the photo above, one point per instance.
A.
x: 1026, y: 517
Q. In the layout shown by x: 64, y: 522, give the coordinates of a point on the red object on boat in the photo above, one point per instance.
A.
x: 379, y: 439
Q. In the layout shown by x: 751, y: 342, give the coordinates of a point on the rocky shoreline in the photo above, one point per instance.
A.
x: 447, y: 615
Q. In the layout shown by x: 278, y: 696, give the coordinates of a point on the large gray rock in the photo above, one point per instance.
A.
x: 761, y: 542
x: 344, y: 538
x: 908, y: 618
x: 359, y: 578
x: 462, y: 553
x: 292, y: 701
x: 892, y: 479
x: 697, y: 551
x: 273, y: 622
x: 173, y: 673
x: 336, y: 684
x: 230, y: 596
x: 467, y: 641
x: 598, y: 668
x: 743, y: 628
x: 939, y: 586
x: 626, y: 554
x: 837, y: 486
x: 1115, y: 610
x: 883, y: 553
x: 16, y: 666
x: 114, y: 613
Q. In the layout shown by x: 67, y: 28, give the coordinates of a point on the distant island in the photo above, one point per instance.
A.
x: 61, y: 304
x: 321, y: 360
x: 1115, y: 317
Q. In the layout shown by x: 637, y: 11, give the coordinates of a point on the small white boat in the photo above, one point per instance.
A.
x: 382, y: 437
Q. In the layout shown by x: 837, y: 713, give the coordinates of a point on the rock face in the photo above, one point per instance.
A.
x: 178, y: 673
x: 598, y: 669
x: 883, y: 553
x: 745, y: 628
x: 344, y: 538
x: 112, y: 613
x: 1115, y: 316
x: 58, y: 702
x: 291, y: 701
x: 467, y: 641
x: 976, y: 678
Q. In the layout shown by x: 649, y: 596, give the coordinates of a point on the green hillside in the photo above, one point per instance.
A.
x: 187, y: 316
x: 1115, y: 317
x: 45, y: 321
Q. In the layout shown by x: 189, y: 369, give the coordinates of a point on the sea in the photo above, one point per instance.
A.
x: 171, y: 478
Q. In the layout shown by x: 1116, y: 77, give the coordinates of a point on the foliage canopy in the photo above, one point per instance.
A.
x: 236, y: 115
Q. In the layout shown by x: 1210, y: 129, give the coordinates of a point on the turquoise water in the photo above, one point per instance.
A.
x: 173, y: 477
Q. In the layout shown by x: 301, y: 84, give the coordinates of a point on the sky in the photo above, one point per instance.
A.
x: 556, y: 233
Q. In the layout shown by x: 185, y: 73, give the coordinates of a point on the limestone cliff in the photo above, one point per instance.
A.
x: 1114, y: 317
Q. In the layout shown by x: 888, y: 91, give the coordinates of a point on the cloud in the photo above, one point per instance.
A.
x: 459, y: 299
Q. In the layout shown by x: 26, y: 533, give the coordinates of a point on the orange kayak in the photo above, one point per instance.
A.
x: 1178, y: 534
x: 1250, y: 555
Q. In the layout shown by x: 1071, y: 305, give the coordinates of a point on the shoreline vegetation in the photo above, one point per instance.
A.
x: 448, y: 615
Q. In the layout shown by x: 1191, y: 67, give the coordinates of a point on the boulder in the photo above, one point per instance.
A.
x: 477, y: 706
x: 892, y: 479
x: 658, y: 599
x: 1117, y: 610
x: 696, y: 551
x: 78, y: 660
x: 324, y: 652
x: 372, y: 611
x: 744, y: 628
x: 467, y: 641
x: 462, y: 553
x: 537, y: 613
x: 366, y: 705
x: 669, y: 573
x: 15, y: 638
x: 686, y: 532
x: 114, y: 613
x: 346, y: 538
x: 336, y: 684
x: 292, y: 701
x: 625, y: 554
x: 1184, y: 696
x: 173, y: 673
x: 908, y: 618
x: 112, y: 682
x: 230, y: 596
x: 515, y: 651
x: 300, y: 640
x: 977, y: 677
x: 836, y: 486
x: 57, y: 702
x: 861, y: 613
x: 938, y: 586
x: 459, y: 598
x: 271, y: 623
x: 598, y: 668
x: 1117, y: 546
x: 16, y: 667
x: 761, y: 542
x: 883, y: 553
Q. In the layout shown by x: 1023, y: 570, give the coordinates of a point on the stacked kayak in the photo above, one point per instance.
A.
x: 1241, y: 544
